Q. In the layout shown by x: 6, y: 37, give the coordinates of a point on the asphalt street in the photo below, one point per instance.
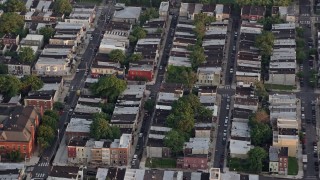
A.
x: 307, y: 94
x: 42, y: 169
x: 226, y: 93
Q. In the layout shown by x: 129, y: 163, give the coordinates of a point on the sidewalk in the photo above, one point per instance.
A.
x: 61, y: 158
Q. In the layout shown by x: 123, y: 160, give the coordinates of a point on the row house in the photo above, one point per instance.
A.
x: 45, y: 97
x: 222, y: 12
x: 66, y: 172
x: 128, y: 14
x: 278, y: 160
x: 33, y: 40
x: 114, y: 40
x: 287, y: 13
x: 106, y: 152
x: 168, y: 93
x: 15, y: 67
x: 248, y: 69
x: 190, y: 10
x: 209, y: 73
x: 10, y: 39
x: 140, y: 174
x: 46, y: 17
x: 282, y: 106
x: 82, y: 14
x: 282, y: 68
x: 164, y: 9
x: 183, y: 38
x: 39, y: 6
x: 18, y: 128
x: 78, y: 128
x: 285, y: 135
x: 252, y: 13
x: 102, y: 65
x: 128, y: 108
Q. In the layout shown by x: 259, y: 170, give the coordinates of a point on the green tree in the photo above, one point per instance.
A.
x: 311, y: 52
x: 148, y: 14
x: 53, y: 114
x: 100, y: 115
x: 174, y: 140
x: 183, y: 75
x: 282, y: 2
x: 11, y: 22
x: 9, y: 85
x: 136, y: 57
x: 301, y: 56
x: 268, y: 21
x: 264, y: 42
x: 3, y: 69
x: 117, y: 55
x: 45, y: 136
x: 49, y: 121
x: 31, y: 82
x: 14, y: 156
x: 149, y: 105
x: 62, y: 6
x: 101, y: 129
x: 26, y: 55
x: 256, y: 156
x: 137, y: 33
x: 261, y: 90
x: 300, y: 43
x: 57, y: 106
x: 197, y: 57
x: 110, y: 87
x: 300, y: 74
x: 108, y: 109
x: 15, y: 6
x: 261, y: 132
x: 47, y: 33
x: 300, y: 32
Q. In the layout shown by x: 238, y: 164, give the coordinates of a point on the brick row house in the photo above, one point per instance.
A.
x: 17, y: 129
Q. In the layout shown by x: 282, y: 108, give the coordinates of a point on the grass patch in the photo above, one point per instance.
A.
x: 293, y: 166
x: 161, y: 163
x: 279, y: 87
x: 237, y: 164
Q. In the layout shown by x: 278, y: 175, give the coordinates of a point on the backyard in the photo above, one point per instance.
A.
x: 161, y: 163
x: 293, y: 166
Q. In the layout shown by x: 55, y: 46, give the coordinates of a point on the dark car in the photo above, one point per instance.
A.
x: 316, y: 168
x: 308, y: 120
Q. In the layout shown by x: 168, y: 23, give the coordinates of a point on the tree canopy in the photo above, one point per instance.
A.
x: 31, y: 82
x: 47, y: 130
x: 135, y: 57
x: 179, y: 74
x: 101, y: 129
x: 184, y: 112
x: 264, y: 42
x: 148, y: 14
x: 62, y: 6
x: 256, y: 157
x: 197, y: 56
x: 261, y: 131
x: 3, y: 69
x: 11, y: 22
x: 264, y: 2
x: 15, y: 6
x: 137, y: 33
x: 9, y: 85
x: 174, y: 141
x: 47, y: 33
x: 267, y: 22
x: 26, y: 55
x: 117, y: 55
x: 109, y: 86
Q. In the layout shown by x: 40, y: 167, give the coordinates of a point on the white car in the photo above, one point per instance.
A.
x: 77, y: 70
x: 231, y: 70
x: 315, y: 148
x: 228, y: 107
x: 134, y: 157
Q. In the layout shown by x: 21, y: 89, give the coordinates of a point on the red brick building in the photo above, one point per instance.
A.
x: 194, y: 162
x: 283, y: 160
x: 10, y: 39
x: 17, y: 130
x: 41, y: 99
x: 140, y: 72
x: 252, y: 13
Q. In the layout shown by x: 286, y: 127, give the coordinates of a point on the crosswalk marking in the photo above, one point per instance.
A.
x: 44, y: 164
x: 227, y: 87
x: 40, y: 175
x: 304, y: 22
